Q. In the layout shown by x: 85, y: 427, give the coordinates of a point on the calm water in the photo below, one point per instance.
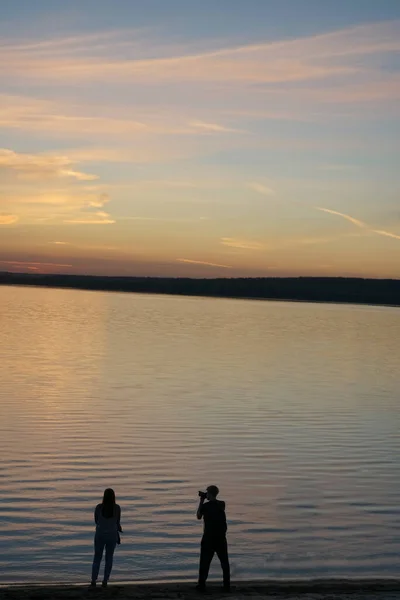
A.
x: 292, y: 409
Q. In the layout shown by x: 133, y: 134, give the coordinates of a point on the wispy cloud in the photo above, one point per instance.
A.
x: 62, y: 117
x: 358, y: 223
x: 165, y: 219
x: 99, y: 201
x: 212, y: 127
x: 285, y: 242
x: 353, y: 220
x: 289, y: 60
x: 33, y: 264
x: 386, y: 233
x: 97, y: 218
x: 201, y: 262
x: 243, y: 244
x: 8, y: 219
x: 40, y: 166
x: 261, y: 189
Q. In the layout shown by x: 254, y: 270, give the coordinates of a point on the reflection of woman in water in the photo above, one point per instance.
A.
x: 107, y: 516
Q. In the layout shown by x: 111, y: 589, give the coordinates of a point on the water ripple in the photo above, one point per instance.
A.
x: 293, y: 410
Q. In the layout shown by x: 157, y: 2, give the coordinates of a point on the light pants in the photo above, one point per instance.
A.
x: 101, y: 541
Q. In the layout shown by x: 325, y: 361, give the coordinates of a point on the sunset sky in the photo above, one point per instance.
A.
x: 200, y: 138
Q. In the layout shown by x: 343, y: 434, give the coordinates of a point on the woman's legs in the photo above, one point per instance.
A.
x: 110, y: 547
x: 98, y: 555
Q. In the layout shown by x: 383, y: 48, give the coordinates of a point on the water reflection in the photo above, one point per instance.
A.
x: 292, y: 408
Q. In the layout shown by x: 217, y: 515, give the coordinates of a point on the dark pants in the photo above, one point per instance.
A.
x: 209, y: 547
x: 101, y: 542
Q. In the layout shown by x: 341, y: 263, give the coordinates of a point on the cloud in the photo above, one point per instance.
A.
x: 349, y: 61
x: 97, y: 218
x: 312, y: 57
x: 261, y: 189
x: 64, y: 199
x: 356, y: 222
x: 201, y: 262
x: 40, y: 166
x: 76, y: 43
x: 213, y: 127
x: 359, y: 223
x: 149, y: 150
x: 40, y: 201
x: 284, y: 243
x: 59, y: 243
x: 8, y: 219
x: 46, y: 202
x: 32, y: 264
x: 165, y: 219
x: 100, y: 201
x: 386, y: 233
x: 72, y: 119
x: 244, y: 244
x: 246, y: 64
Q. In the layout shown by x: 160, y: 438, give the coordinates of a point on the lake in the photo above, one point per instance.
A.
x: 292, y: 409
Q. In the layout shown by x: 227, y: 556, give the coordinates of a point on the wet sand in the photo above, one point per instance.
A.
x: 301, y: 590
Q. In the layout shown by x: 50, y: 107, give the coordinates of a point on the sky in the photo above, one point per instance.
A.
x: 218, y: 138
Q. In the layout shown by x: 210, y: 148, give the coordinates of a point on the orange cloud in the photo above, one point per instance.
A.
x: 201, y: 262
x: 33, y: 264
x: 97, y: 218
x: 386, y: 233
x: 8, y: 219
x: 100, y: 201
x: 356, y: 222
x: 244, y: 244
x: 40, y: 165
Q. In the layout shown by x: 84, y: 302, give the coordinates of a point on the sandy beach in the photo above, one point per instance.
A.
x: 315, y: 590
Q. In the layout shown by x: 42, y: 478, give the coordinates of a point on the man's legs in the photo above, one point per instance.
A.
x: 222, y: 553
x: 206, y: 556
x: 110, y: 547
x: 98, y: 555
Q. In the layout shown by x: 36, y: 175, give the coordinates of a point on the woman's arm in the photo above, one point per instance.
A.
x: 96, y: 514
x: 119, y: 518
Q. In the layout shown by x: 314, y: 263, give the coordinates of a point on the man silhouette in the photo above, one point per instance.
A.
x: 214, y: 536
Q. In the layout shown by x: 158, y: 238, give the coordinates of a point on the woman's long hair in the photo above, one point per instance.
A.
x: 108, y: 504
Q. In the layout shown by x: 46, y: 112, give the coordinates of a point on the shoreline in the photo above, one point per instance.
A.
x: 356, y: 589
x: 208, y: 296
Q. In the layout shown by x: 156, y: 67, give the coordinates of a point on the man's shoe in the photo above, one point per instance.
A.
x: 104, y: 584
x: 200, y: 587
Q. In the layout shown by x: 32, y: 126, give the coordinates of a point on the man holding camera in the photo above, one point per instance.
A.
x: 214, y: 536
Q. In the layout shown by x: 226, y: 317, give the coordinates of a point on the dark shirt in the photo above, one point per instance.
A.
x: 107, y: 525
x: 214, y: 516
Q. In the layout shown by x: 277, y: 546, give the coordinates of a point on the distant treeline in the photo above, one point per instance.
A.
x: 305, y: 289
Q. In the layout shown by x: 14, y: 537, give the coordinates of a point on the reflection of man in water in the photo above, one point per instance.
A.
x: 214, y: 536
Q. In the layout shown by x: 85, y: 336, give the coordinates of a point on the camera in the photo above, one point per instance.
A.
x: 203, y: 495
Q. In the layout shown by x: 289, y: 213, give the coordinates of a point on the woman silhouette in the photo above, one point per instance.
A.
x: 107, y: 517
